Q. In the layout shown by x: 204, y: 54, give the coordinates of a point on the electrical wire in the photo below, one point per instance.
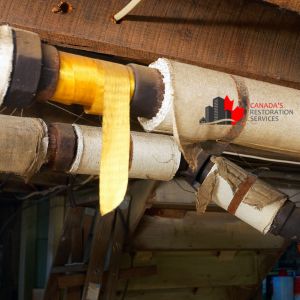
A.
x: 126, y: 10
x: 71, y: 113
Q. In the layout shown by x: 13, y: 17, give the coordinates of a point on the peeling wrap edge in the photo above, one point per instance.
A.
x: 79, y: 149
x: 163, y: 66
x: 220, y: 189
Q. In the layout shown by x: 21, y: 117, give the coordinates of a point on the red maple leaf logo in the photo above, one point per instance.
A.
x: 236, y: 114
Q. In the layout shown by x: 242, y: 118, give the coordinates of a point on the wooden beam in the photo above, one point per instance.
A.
x: 247, y: 38
x: 182, y: 269
x: 128, y: 217
x: 73, y: 220
x: 209, y: 231
x: 203, y: 293
x: 98, y: 256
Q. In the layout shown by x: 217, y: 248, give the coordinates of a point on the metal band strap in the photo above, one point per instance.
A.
x: 241, y: 192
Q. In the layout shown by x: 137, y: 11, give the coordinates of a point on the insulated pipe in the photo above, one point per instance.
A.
x: 248, y: 198
x: 192, y: 103
x: 201, y: 105
x: 34, y: 71
x: 24, y: 144
x: 152, y: 156
x: 28, y: 143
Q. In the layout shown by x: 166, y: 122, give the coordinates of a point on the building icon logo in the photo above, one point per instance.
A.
x: 222, y: 112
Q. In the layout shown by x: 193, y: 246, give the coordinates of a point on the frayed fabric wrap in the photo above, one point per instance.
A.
x: 153, y: 156
x: 259, y: 203
x: 23, y: 147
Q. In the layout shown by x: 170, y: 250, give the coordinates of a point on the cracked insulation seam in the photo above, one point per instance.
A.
x: 23, y: 147
x: 241, y: 193
x: 189, y: 90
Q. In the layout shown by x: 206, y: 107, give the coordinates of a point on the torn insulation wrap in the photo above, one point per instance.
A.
x: 201, y: 104
x: 23, y: 147
x: 152, y: 156
x: 241, y: 193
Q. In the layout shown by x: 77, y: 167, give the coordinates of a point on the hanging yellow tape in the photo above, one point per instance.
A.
x: 103, y: 88
x: 116, y: 137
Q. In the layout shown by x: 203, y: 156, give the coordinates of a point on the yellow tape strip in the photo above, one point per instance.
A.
x: 102, y: 88
x: 116, y: 137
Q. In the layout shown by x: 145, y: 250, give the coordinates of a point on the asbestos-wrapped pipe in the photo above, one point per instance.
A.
x: 28, y: 143
x: 34, y: 71
x: 24, y: 144
x: 248, y: 198
x: 152, y: 156
x: 201, y: 104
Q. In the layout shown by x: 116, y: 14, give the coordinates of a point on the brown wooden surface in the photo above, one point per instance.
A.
x: 208, y: 231
x: 74, y: 293
x: 100, y: 244
x: 293, y: 5
x: 119, y: 235
x: 73, y: 220
x: 243, y: 37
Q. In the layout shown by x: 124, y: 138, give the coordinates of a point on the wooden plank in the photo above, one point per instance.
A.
x: 96, y: 267
x: 73, y: 219
x: 182, y: 269
x: 120, y: 232
x: 74, y: 293
x: 128, y: 217
x: 137, y: 272
x: 141, y: 193
x: 218, y: 231
x: 27, y: 271
x: 203, y: 293
x: 55, y: 228
x: 248, y: 38
x: 74, y: 280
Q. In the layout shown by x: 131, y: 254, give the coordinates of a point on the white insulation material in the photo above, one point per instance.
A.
x: 272, y: 119
x: 259, y: 218
x: 152, y: 156
x: 6, y: 59
x: 23, y: 147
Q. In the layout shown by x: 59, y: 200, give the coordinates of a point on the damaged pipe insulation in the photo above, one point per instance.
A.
x: 28, y: 143
x: 201, y: 105
x: 248, y: 198
x: 192, y: 103
x: 38, y: 72
x: 221, y: 107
